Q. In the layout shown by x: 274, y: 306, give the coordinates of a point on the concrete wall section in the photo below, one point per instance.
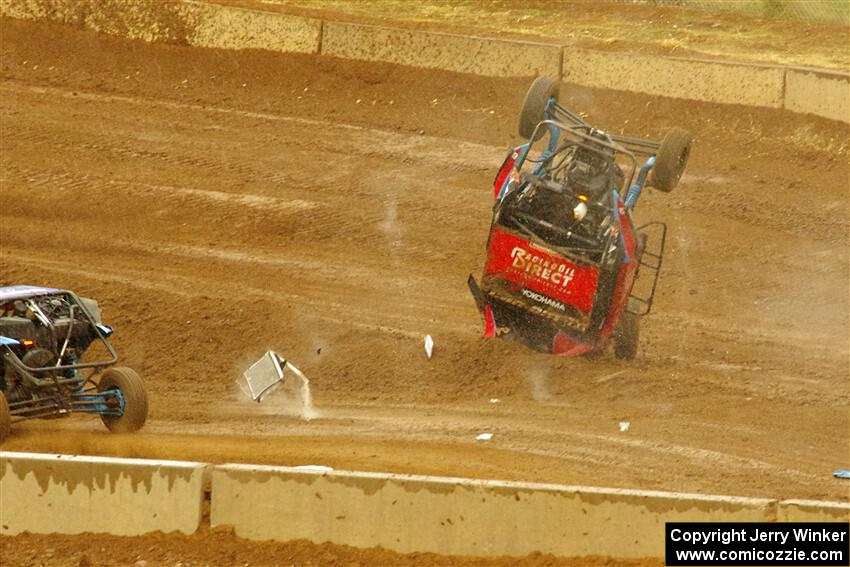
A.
x: 464, y: 54
x: 133, y: 19
x: 203, y: 24
x: 712, y: 81
x: 458, y: 516
x: 227, y: 27
x: 193, y: 23
x: 820, y: 93
x: 813, y: 511
x: 64, y: 494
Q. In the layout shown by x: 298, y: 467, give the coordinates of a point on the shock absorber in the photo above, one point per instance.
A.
x: 70, y: 358
x: 634, y: 191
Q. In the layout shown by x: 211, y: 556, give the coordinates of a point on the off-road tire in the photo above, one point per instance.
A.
x: 536, y: 99
x: 135, y: 399
x: 5, y: 418
x: 626, y: 336
x: 671, y: 159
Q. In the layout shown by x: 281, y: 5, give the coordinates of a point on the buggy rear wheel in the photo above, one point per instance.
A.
x: 671, y: 159
x: 536, y: 99
x: 5, y: 418
x: 626, y: 336
x: 130, y: 384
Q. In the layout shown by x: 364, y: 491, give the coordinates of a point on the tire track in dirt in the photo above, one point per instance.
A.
x: 319, y: 226
x: 421, y: 148
x: 186, y: 286
x: 222, y: 200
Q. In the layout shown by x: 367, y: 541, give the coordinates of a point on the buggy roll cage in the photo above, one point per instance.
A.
x: 579, y: 251
x: 558, y: 119
x: 554, y: 115
x: 31, y: 374
x: 638, y: 145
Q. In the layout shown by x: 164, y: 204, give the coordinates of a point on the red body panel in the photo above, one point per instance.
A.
x: 489, y: 322
x: 504, y: 172
x: 563, y: 345
x: 625, y: 277
x: 537, y: 269
x: 533, y: 269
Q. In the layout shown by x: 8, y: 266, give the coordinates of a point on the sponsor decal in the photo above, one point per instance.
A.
x: 541, y: 267
x: 520, y: 264
x: 543, y: 299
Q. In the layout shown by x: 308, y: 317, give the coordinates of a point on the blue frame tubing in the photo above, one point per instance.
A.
x: 634, y: 191
x: 96, y: 403
x: 550, y: 113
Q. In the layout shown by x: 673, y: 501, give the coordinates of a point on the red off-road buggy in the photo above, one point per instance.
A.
x: 567, y: 270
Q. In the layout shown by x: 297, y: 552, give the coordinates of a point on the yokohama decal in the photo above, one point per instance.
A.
x: 544, y: 300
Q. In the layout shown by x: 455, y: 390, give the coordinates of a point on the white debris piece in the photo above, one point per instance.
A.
x: 267, y: 375
x: 624, y: 426
x: 495, y: 400
x: 429, y: 346
x: 263, y: 376
x: 484, y: 437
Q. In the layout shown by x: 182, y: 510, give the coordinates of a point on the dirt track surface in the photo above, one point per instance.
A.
x: 219, y: 548
x: 218, y: 204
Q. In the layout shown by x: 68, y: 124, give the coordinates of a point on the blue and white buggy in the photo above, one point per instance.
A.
x: 44, y: 333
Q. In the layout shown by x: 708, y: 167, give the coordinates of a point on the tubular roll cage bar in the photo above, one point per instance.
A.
x: 31, y: 374
x: 625, y: 145
x: 575, y: 125
x: 629, y: 147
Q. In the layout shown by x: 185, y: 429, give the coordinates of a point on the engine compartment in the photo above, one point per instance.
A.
x: 54, y: 322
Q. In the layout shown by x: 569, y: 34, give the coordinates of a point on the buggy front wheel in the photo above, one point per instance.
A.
x: 626, y: 336
x: 534, y: 105
x: 672, y: 157
x: 131, y: 388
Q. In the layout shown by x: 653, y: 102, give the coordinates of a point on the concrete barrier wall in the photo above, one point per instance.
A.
x: 183, y: 22
x: 464, y: 54
x: 226, y: 27
x: 458, y: 516
x: 711, y: 81
x: 64, y: 494
x: 207, y: 24
x: 134, y: 19
x: 813, y: 511
x: 817, y: 92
